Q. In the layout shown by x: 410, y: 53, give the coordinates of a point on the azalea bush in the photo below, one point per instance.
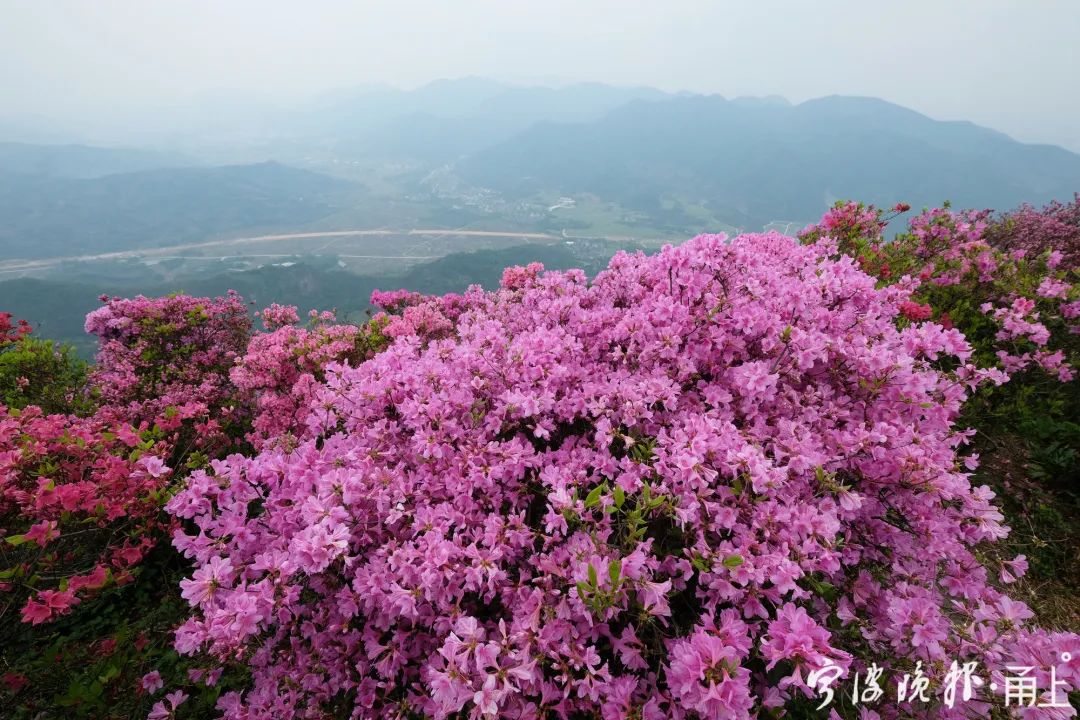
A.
x: 92, y: 661
x: 165, y: 363
x: 282, y: 367
x: 39, y: 372
x: 89, y: 585
x: 79, y: 506
x: 1017, y: 301
x: 1020, y: 309
x: 1007, y: 282
x: 672, y: 492
x: 81, y: 491
x: 1054, y: 426
x: 86, y: 492
x: 1055, y: 227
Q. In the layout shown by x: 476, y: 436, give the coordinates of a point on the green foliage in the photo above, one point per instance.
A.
x: 370, y: 339
x: 1053, y: 442
x: 90, y: 664
x: 43, y: 373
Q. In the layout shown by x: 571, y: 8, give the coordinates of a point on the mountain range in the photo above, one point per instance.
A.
x: 753, y: 162
x: 637, y: 161
x: 82, y: 161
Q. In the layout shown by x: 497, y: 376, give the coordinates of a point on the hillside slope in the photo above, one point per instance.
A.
x: 754, y: 162
x: 48, y: 216
x: 82, y: 161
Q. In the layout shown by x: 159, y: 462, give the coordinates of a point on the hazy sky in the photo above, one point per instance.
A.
x: 1011, y: 65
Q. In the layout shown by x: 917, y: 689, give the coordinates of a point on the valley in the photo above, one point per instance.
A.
x: 440, y: 187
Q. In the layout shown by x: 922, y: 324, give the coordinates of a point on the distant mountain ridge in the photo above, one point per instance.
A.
x: 637, y: 161
x: 446, y: 119
x: 758, y: 161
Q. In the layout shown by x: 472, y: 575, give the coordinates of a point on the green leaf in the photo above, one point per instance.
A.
x: 593, y: 498
x: 733, y: 561
x: 592, y: 576
x: 16, y: 540
x: 614, y: 568
x: 620, y: 496
x: 582, y: 588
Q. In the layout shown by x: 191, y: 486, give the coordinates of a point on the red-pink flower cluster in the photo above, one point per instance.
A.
x: 78, y: 505
x: 916, y: 312
x: 9, y: 332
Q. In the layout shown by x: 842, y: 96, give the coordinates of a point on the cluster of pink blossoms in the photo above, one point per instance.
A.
x: 1019, y: 323
x: 1032, y: 297
x: 668, y: 493
x: 162, y: 361
x: 62, y: 476
x: 417, y: 315
x: 80, y: 497
x: 282, y: 367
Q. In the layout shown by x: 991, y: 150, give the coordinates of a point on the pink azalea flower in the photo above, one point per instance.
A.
x: 151, y: 682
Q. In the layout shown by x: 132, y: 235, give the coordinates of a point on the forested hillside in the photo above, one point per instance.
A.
x: 48, y: 216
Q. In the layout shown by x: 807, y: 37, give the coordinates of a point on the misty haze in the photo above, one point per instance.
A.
x: 591, y: 359
x: 153, y: 148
